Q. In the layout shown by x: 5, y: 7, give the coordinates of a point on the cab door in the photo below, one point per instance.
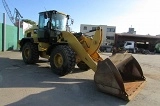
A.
x: 42, y: 26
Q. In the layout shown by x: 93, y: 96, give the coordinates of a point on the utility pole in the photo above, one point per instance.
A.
x: 4, y: 33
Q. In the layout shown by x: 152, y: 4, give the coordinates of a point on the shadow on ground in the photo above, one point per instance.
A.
x: 62, y: 91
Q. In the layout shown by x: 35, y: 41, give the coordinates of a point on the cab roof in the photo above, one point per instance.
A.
x: 52, y: 11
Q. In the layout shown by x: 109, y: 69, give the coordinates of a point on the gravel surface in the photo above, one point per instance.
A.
x: 36, y: 85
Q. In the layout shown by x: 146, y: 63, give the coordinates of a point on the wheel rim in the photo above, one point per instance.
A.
x: 58, y: 60
x: 26, y: 52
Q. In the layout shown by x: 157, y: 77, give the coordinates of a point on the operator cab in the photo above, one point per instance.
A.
x: 51, y: 23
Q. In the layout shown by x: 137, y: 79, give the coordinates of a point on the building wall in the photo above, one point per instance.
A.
x: 108, y: 32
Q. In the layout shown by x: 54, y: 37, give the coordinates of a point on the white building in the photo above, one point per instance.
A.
x: 108, y: 32
x: 131, y: 31
x: 26, y: 26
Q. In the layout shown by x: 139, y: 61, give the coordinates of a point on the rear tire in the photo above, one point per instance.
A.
x: 83, y: 66
x: 62, y: 60
x: 30, y: 53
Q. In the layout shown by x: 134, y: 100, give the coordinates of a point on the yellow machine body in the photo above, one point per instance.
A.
x: 119, y: 75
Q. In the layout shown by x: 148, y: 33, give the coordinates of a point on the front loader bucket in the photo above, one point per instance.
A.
x: 119, y: 75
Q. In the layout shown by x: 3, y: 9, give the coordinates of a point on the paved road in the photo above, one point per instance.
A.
x: 36, y: 85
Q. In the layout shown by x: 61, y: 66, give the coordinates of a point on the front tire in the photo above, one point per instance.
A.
x: 62, y: 60
x: 30, y: 53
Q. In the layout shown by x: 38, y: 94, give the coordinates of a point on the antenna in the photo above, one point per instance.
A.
x: 45, y: 8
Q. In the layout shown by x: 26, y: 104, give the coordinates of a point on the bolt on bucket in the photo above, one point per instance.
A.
x: 119, y: 75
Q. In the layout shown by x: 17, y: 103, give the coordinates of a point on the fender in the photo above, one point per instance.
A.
x: 24, y: 40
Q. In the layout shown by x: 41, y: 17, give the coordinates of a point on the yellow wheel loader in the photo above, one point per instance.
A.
x: 119, y: 75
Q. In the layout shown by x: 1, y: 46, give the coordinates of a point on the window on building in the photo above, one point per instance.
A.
x: 110, y: 29
x: 93, y: 28
x: 110, y: 37
x: 84, y: 28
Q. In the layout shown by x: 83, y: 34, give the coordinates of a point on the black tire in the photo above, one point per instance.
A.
x: 30, y: 53
x: 66, y: 62
x: 83, y: 66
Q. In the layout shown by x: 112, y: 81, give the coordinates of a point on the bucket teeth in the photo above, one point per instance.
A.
x: 119, y: 75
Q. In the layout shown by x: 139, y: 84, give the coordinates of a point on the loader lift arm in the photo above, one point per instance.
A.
x: 90, y: 55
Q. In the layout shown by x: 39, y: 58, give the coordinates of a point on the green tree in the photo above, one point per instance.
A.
x: 29, y: 21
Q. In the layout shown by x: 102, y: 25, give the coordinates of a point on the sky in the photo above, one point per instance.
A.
x: 143, y: 15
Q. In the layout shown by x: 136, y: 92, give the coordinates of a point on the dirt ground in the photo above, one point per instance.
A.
x: 36, y: 85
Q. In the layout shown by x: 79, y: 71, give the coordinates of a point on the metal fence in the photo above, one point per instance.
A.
x: 9, y: 35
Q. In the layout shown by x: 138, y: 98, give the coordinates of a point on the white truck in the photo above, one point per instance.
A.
x: 130, y: 46
x: 136, y: 47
